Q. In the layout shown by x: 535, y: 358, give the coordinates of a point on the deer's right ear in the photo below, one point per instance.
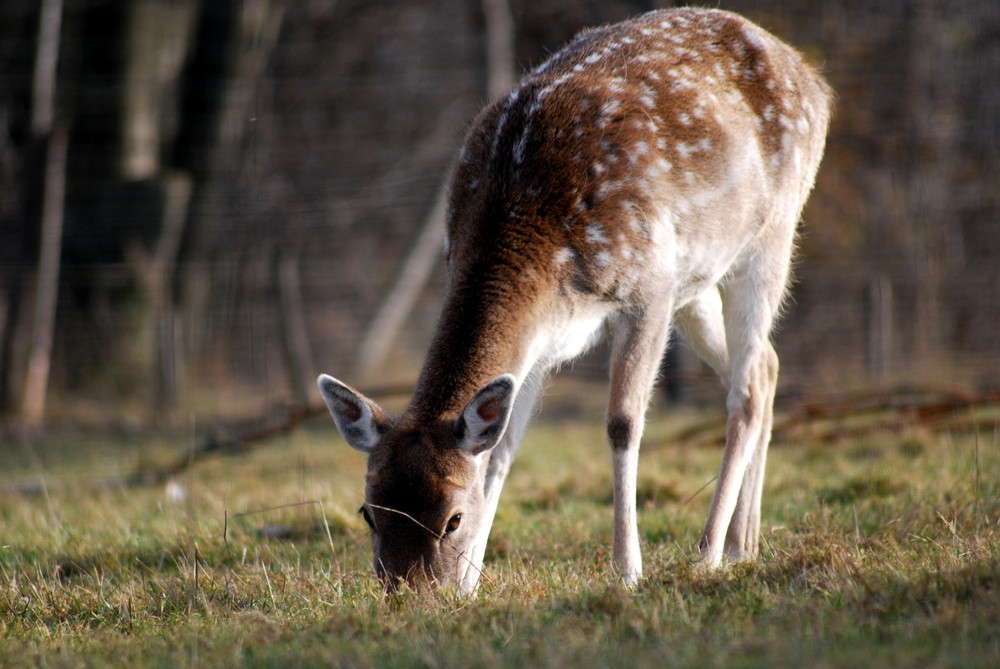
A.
x: 484, y: 419
x: 360, y: 420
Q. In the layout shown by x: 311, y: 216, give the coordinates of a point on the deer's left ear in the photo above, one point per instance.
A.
x: 484, y: 419
x: 358, y: 418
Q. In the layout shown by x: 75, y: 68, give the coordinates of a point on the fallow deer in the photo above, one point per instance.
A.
x: 649, y: 175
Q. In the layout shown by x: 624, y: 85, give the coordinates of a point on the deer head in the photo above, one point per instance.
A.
x: 424, y: 488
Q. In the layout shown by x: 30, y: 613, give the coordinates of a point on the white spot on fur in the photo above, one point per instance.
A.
x: 786, y: 143
x: 608, y: 187
x: 562, y: 79
x: 611, y: 107
x: 541, y: 68
x: 563, y: 256
x: 501, y: 124
x: 662, y: 165
x: 595, y: 234
x: 753, y: 38
x: 521, y: 144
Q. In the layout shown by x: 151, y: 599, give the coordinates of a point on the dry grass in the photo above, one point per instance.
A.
x: 879, y: 549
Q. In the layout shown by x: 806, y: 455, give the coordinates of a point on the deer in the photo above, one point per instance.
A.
x: 650, y: 175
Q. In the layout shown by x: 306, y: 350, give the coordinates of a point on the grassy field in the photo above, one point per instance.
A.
x: 879, y: 549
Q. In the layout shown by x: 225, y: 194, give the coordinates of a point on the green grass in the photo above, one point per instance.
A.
x: 877, y: 550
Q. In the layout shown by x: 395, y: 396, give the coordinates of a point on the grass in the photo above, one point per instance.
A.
x: 878, y: 549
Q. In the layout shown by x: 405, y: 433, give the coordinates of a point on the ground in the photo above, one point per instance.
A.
x: 879, y: 548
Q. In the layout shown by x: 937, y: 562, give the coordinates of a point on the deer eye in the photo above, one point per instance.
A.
x: 453, y: 523
x: 368, y: 519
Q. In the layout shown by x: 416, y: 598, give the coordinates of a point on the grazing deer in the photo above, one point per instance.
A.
x: 649, y: 175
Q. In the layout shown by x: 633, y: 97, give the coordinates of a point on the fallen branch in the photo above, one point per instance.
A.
x: 221, y: 441
x: 933, y: 407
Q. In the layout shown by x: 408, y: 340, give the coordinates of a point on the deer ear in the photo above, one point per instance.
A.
x: 484, y: 419
x: 360, y: 420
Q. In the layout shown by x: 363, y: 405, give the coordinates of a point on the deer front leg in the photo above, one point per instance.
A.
x: 501, y: 459
x: 639, y: 341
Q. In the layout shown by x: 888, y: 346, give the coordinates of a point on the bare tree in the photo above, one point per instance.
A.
x: 294, y: 333
x: 47, y: 284
x: 53, y: 205
x: 499, y: 47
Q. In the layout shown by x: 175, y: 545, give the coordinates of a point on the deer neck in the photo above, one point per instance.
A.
x: 487, y: 327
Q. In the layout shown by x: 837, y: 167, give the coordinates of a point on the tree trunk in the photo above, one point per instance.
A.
x: 47, y: 284
x: 400, y: 300
x: 294, y: 333
x: 499, y: 47
x: 880, y: 331
x: 43, y: 86
x: 160, y: 296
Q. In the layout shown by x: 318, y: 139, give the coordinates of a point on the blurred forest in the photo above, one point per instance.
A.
x: 204, y: 203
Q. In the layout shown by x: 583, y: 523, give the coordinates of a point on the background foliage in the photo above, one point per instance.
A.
x: 234, y: 162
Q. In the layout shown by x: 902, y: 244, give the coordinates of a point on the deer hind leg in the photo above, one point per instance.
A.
x: 744, y: 529
x: 701, y: 325
x: 750, y: 302
x: 639, y: 341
